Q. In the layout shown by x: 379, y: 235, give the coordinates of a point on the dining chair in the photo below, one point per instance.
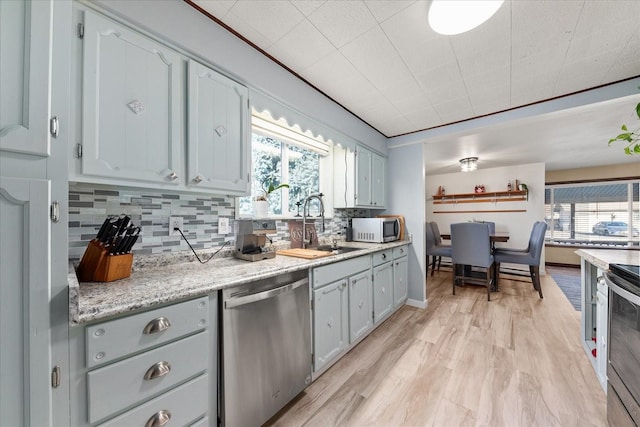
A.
x: 435, y: 250
x: 529, y: 256
x: 471, y: 246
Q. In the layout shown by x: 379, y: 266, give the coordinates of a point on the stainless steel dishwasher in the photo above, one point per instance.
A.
x: 266, y: 347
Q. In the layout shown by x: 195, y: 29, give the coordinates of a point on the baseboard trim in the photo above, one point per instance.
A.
x: 417, y: 304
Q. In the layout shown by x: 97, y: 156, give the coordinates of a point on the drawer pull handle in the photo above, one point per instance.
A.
x: 158, y: 419
x: 157, y: 325
x: 158, y: 370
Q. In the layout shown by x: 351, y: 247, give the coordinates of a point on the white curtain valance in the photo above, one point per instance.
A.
x: 265, y: 106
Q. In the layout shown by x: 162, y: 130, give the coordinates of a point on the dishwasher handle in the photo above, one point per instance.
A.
x: 248, y: 299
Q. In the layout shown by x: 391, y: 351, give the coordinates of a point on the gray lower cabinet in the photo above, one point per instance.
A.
x: 331, y: 322
x: 382, y: 291
x: 400, y: 276
x: 25, y: 341
x: 352, y: 297
x: 146, y: 368
x: 360, y: 305
x: 335, y: 287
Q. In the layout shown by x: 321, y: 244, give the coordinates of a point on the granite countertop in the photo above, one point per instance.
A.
x: 164, y: 278
x: 601, y: 258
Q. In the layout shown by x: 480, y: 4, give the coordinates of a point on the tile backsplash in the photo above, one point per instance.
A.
x: 90, y: 204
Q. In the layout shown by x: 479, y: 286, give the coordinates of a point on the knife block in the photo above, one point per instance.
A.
x: 98, y: 266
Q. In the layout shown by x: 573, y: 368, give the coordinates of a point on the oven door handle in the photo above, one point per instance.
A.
x: 248, y: 299
x: 621, y: 291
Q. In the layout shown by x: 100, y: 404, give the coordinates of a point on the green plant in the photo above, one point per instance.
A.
x: 268, y: 188
x: 632, y: 138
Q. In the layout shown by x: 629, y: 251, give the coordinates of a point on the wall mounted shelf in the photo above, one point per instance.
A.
x: 487, y: 197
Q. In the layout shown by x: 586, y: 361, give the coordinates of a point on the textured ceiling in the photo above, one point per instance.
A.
x: 380, y: 60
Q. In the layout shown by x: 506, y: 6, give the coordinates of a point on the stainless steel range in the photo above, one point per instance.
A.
x: 623, y: 372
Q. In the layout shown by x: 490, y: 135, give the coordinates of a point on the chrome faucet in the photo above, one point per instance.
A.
x: 305, y: 209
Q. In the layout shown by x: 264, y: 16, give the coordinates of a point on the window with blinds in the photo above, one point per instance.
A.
x: 601, y: 214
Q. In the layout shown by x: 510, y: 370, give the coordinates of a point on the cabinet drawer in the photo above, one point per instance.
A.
x: 400, y: 251
x: 381, y: 257
x: 339, y: 270
x: 111, y: 340
x: 185, y: 404
x: 116, y: 386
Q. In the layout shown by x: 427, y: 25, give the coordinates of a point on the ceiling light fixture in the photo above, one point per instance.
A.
x: 454, y: 17
x: 469, y: 164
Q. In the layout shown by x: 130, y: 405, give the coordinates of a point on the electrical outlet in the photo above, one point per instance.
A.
x: 223, y: 225
x: 176, y: 222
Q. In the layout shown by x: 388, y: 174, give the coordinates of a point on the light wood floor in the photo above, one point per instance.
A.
x: 514, y: 361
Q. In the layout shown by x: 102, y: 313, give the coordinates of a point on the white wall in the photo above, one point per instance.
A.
x: 183, y: 26
x: 517, y: 224
x: 406, y: 197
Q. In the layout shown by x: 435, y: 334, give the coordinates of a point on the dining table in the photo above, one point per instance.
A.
x: 498, y: 236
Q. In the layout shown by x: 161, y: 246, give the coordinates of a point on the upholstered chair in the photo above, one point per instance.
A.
x: 528, y: 256
x: 434, y: 250
x: 471, y: 247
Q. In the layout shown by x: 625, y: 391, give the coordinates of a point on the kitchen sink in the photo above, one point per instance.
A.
x: 337, y: 251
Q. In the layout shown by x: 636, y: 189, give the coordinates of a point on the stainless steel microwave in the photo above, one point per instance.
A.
x: 375, y: 230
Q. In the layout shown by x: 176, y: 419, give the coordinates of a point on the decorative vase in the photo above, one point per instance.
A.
x: 260, y: 208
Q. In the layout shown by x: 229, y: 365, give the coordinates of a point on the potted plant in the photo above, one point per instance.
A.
x: 261, y: 202
x: 631, y: 138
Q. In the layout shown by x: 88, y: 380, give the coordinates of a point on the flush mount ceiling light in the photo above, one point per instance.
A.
x: 469, y: 164
x: 454, y: 17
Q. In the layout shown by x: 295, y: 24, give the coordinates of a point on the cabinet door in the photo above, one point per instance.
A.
x: 219, y: 134
x: 363, y: 177
x: 25, y: 64
x: 132, y: 124
x: 330, y: 323
x: 378, y: 180
x: 382, y: 291
x: 602, y: 308
x: 24, y: 297
x: 360, y: 310
x: 400, y: 286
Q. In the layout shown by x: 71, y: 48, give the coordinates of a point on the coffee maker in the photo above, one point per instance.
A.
x: 251, y: 237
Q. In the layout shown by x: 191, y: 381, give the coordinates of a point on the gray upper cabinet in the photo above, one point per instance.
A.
x: 219, y: 129
x: 378, y: 180
x: 364, y: 183
x: 25, y: 315
x: 25, y: 59
x: 132, y: 105
x: 363, y: 178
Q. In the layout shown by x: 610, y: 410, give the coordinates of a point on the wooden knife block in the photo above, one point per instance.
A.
x: 98, y: 266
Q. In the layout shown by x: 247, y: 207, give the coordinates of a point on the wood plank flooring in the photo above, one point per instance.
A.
x: 514, y: 361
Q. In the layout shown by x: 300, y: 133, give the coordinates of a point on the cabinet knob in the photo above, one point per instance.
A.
x: 157, y: 325
x: 384, y: 256
x: 158, y: 419
x: 173, y: 176
x: 157, y: 370
x: 198, y: 179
